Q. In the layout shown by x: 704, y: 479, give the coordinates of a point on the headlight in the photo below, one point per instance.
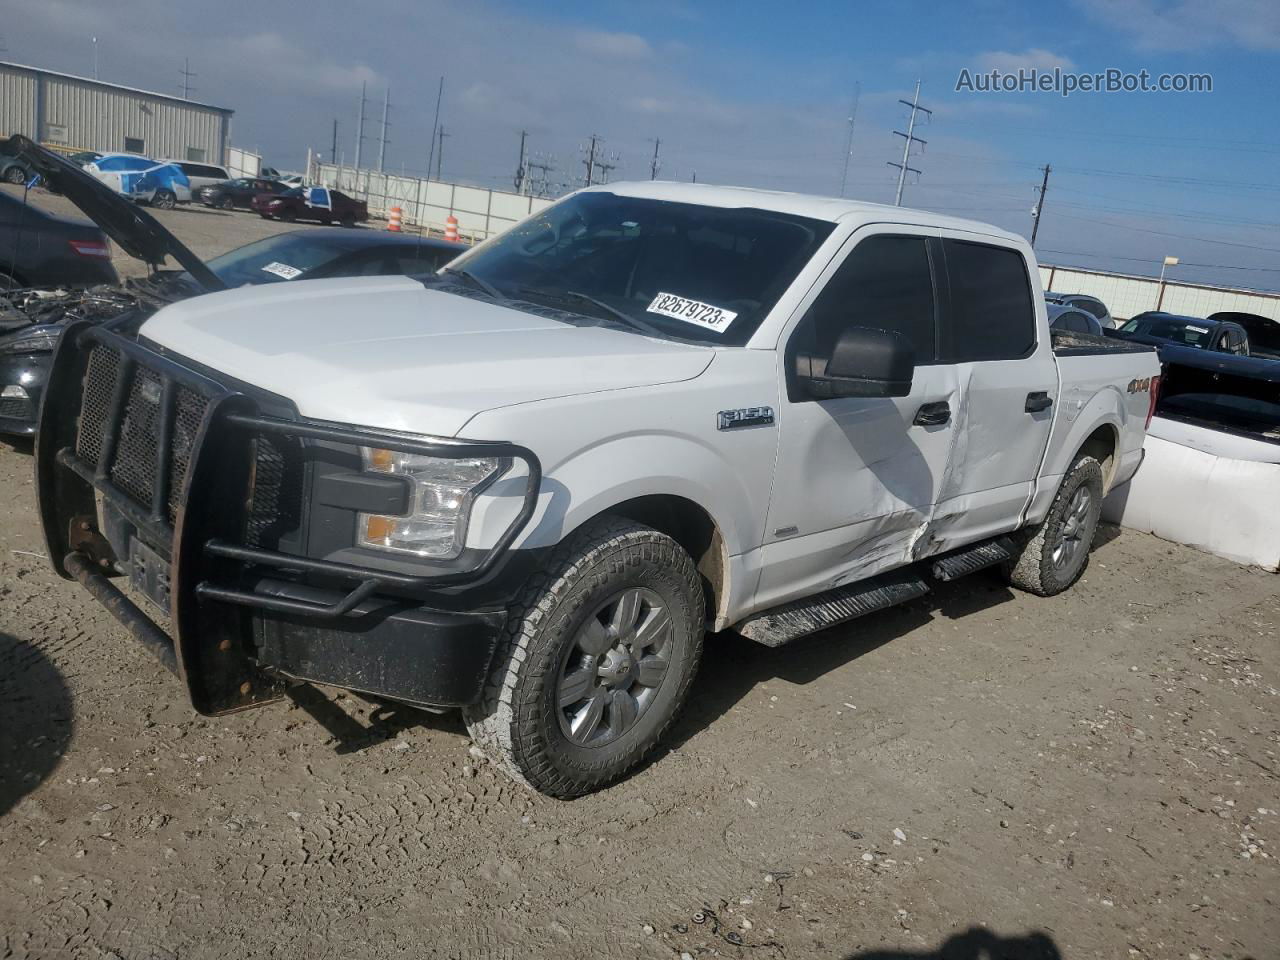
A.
x: 439, y: 504
x: 33, y: 340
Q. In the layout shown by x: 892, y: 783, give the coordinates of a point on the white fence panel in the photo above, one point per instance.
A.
x: 1127, y: 295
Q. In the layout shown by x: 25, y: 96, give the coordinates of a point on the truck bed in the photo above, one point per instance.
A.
x: 1068, y: 343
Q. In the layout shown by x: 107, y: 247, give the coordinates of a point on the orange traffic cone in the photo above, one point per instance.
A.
x: 393, y: 221
x: 451, y: 228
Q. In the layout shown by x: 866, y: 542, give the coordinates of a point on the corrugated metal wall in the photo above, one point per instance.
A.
x: 88, y: 116
x: 1127, y: 296
x: 17, y: 102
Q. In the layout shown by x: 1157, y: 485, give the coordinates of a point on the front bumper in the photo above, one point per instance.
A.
x: 176, y: 459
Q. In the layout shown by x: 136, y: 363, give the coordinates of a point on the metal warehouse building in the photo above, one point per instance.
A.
x: 75, y: 113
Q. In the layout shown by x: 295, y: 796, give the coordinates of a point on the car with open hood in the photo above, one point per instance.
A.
x: 79, y: 283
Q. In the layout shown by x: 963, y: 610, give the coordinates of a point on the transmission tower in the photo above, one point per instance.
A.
x: 187, y: 76
x: 907, y: 139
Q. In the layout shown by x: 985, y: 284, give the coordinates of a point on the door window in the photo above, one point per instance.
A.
x: 886, y: 284
x: 134, y: 145
x: 992, y: 317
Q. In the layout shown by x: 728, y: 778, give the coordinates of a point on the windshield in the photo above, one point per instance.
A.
x: 683, y: 271
x: 286, y: 256
x: 1189, y: 333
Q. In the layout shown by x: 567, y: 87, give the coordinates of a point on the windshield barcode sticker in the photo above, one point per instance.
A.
x: 282, y: 270
x: 692, y: 311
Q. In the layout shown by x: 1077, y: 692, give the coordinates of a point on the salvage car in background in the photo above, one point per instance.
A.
x: 1072, y: 319
x: 142, y: 179
x: 1263, y: 332
x: 200, y: 175
x: 318, y: 204
x: 1090, y: 305
x: 13, y: 170
x: 42, y: 249
x: 238, y: 194
x: 31, y: 320
x: 1163, y: 330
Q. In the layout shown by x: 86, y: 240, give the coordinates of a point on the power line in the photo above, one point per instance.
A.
x: 187, y: 75
x: 1035, y: 214
x: 848, y: 147
x: 360, y: 126
x: 907, y: 139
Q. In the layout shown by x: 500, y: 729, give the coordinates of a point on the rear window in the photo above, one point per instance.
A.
x: 992, y: 316
x: 1179, y: 331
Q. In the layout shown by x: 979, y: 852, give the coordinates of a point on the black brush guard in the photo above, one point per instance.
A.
x: 194, y: 501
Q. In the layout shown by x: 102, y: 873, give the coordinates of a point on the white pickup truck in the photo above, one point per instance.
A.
x: 527, y: 486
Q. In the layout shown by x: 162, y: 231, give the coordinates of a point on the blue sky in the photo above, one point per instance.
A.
x: 758, y: 94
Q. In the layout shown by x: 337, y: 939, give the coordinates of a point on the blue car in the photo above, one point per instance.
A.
x: 162, y: 185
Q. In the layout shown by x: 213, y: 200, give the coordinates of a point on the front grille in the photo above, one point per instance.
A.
x: 137, y: 454
x: 16, y: 408
x: 275, y: 507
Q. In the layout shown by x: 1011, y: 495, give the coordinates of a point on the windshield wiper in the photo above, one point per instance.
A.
x: 475, y: 281
x: 575, y: 296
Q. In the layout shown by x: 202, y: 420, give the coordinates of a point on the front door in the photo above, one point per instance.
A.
x: 857, y: 478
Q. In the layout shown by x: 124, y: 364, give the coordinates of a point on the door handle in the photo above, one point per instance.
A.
x: 933, y: 415
x: 1038, y: 400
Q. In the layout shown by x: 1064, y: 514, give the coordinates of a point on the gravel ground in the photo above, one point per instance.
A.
x: 977, y: 774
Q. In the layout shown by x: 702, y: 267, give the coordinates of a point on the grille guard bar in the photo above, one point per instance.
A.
x: 235, y: 410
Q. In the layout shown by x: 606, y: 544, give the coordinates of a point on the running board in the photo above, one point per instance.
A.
x: 808, y: 615
x: 972, y: 559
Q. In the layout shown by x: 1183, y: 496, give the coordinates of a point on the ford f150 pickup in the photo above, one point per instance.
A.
x: 527, y: 486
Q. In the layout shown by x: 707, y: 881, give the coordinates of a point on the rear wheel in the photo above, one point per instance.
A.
x: 15, y: 174
x: 598, y: 658
x: 1055, y: 553
x: 164, y: 199
x: 348, y: 220
x: 227, y: 203
x: 288, y: 216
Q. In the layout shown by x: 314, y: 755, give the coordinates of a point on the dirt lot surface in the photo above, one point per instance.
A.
x: 1094, y: 775
x: 978, y: 774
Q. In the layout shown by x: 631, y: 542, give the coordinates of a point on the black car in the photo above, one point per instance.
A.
x: 238, y: 193
x: 1162, y: 329
x: 41, y: 249
x: 31, y: 321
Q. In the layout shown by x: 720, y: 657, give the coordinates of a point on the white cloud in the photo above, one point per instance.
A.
x: 621, y: 46
x: 1191, y: 24
x: 1033, y: 59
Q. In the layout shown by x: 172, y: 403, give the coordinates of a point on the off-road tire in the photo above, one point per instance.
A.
x: 1033, y: 568
x: 516, y: 720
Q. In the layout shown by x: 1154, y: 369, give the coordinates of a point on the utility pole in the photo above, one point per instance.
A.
x: 655, y: 165
x: 360, y: 126
x: 333, y: 149
x: 521, y: 174
x: 1035, y: 214
x: 590, y: 162
x: 186, y: 78
x: 440, y: 152
x: 605, y: 167
x: 848, y: 147
x: 540, y: 186
x: 95, y: 58
x: 907, y: 139
x: 435, y: 125
x: 382, y: 141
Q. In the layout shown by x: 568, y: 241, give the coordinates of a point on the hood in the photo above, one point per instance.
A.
x: 137, y: 232
x: 390, y: 353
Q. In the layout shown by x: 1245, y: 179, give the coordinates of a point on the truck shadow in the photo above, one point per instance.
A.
x: 976, y: 943
x: 732, y: 666
x: 36, y: 719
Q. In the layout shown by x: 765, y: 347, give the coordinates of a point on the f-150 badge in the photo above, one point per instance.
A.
x: 744, y: 417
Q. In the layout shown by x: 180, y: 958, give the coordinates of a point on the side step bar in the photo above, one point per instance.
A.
x: 972, y: 559
x: 808, y: 615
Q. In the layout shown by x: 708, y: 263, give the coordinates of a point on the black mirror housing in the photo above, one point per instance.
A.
x: 863, y: 363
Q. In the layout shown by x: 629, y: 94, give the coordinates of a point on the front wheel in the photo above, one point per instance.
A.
x: 1055, y: 553
x: 227, y: 204
x: 598, y: 658
x: 15, y: 175
x: 164, y: 199
x: 288, y: 216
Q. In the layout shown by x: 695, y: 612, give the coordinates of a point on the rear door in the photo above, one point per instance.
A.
x: 857, y: 478
x: 998, y: 342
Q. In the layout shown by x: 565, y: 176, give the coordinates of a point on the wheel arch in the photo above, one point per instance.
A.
x: 1102, y: 444
x: 690, y: 525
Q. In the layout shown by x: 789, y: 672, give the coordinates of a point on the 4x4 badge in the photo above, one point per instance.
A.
x: 744, y: 417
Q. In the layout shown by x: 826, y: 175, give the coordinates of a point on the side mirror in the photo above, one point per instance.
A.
x: 863, y: 363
